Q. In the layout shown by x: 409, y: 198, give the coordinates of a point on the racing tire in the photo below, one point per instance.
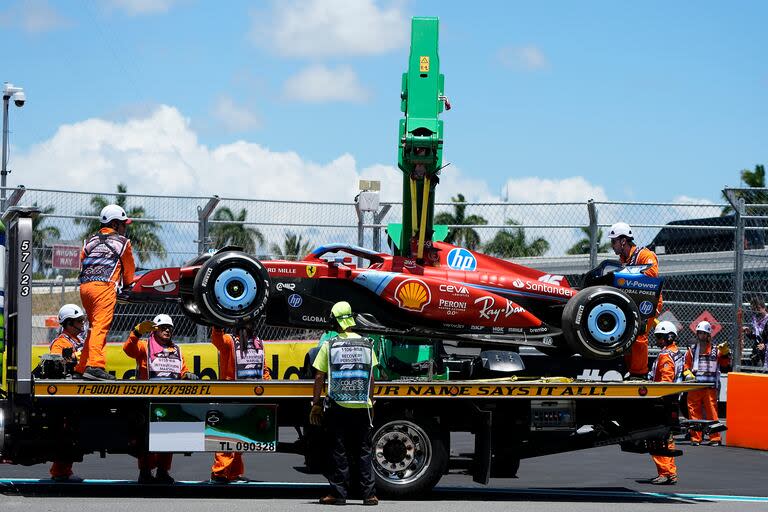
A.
x: 189, y: 308
x: 409, y: 456
x: 600, y: 322
x: 231, y: 289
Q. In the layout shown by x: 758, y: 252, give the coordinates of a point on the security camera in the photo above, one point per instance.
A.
x: 17, y: 93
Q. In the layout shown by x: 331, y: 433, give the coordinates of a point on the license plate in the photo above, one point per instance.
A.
x: 176, y: 427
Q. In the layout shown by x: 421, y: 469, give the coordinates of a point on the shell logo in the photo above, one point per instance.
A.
x: 621, y: 281
x: 413, y: 295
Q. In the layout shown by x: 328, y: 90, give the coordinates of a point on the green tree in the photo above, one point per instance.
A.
x: 233, y: 231
x: 510, y: 243
x: 293, y: 247
x: 462, y: 236
x: 582, y: 246
x: 752, y: 179
x: 143, y: 233
x: 42, y: 234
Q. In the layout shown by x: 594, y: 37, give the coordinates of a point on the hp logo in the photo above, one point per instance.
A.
x: 646, y: 307
x: 295, y: 300
x: 461, y: 259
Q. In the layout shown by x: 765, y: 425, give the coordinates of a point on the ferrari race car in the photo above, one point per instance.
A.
x: 466, y: 296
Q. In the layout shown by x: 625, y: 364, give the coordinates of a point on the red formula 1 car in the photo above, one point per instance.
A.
x: 467, y: 296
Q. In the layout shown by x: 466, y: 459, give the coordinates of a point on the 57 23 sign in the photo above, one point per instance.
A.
x: 25, y: 270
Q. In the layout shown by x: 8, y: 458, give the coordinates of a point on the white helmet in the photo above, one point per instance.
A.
x: 113, y: 212
x: 704, y: 326
x: 620, y: 229
x: 69, y: 311
x: 162, y: 319
x: 666, y: 328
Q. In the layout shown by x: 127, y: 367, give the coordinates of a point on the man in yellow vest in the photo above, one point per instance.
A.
x: 347, y: 362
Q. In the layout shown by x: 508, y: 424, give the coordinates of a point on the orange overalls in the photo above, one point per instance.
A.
x: 228, y: 465
x: 636, y: 360
x: 705, y: 400
x: 62, y: 468
x: 137, y: 349
x: 107, y: 264
x: 667, y: 368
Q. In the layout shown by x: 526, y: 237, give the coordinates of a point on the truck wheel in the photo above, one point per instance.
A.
x: 231, y: 289
x: 600, y: 322
x: 409, y: 457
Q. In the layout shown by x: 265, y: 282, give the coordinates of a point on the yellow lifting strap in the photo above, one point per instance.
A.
x: 423, y: 225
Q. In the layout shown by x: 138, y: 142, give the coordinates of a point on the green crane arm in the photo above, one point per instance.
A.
x: 420, y: 154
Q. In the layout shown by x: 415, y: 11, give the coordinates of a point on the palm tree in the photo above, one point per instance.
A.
x: 146, y: 242
x: 510, y: 243
x: 752, y: 179
x: 293, y: 248
x: 40, y: 235
x: 233, y: 231
x: 583, y: 245
x: 466, y: 237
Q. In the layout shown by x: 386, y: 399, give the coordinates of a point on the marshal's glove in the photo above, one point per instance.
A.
x: 316, y: 415
x: 688, y: 376
x: 724, y: 349
x: 143, y: 328
x: 191, y: 376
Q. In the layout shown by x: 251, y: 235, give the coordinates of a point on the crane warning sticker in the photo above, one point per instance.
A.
x: 424, y: 64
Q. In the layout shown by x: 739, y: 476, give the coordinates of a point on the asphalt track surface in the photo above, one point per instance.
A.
x: 711, y: 478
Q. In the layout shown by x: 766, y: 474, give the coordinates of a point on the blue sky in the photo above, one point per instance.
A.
x: 655, y: 100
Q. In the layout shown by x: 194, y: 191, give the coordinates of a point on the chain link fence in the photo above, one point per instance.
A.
x: 694, y: 242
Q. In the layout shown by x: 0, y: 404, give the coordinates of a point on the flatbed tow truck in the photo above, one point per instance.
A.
x: 512, y: 418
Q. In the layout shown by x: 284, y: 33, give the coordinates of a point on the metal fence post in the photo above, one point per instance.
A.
x: 378, y: 217
x: 203, y: 213
x: 738, y: 271
x: 360, y: 234
x: 593, y: 231
x: 203, y: 242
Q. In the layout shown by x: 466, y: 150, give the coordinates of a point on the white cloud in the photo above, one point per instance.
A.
x: 161, y: 152
x: 319, y: 84
x: 233, y: 117
x: 140, y: 7
x: 330, y: 28
x: 534, y: 189
x: 525, y: 58
x: 33, y: 16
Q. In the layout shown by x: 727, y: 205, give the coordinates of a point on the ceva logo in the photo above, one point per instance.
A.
x: 461, y: 259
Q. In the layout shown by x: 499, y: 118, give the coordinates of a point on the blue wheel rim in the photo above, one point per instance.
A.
x: 235, y: 289
x: 606, y: 323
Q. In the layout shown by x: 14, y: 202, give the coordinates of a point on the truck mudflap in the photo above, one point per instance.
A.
x: 513, y: 388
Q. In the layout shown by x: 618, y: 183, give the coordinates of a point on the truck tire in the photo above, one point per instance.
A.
x: 409, y: 457
x: 231, y: 289
x: 600, y: 322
